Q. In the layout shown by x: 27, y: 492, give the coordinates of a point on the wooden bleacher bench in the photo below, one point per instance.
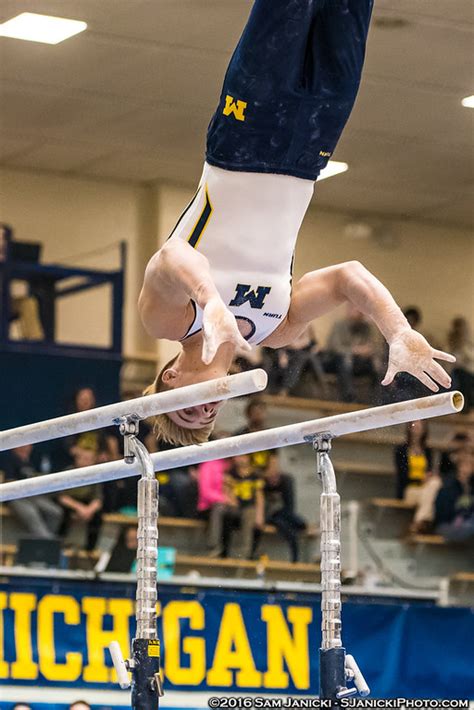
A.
x: 311, y: 405
x: 188, y: 563
x: 188, y: 524
x: 246, y: 564
x: 391, y: 503
x: 463, y: 577
x: 435, y: 540
x: 276, y: 569
x: 463, y: 582
x: 121, y: 519
x: 362, y: 468
x: 426, y: 540
x: 9, y: 551
x: 7, y: 554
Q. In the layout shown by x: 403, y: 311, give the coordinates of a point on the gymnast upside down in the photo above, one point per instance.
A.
x: 223, y: 279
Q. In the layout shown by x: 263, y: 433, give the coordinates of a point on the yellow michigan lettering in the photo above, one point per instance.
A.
x: 23, y: 606
x: 71, y: 611
x: 233, y: 652
x: 98, y: 639
x: 194, y: 647
x: 283, y: 647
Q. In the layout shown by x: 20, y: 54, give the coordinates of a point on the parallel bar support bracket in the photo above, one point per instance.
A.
x: 144, y: 665
x: 336, y: 669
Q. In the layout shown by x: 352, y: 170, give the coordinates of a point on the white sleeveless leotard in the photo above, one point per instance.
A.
x: 246, y: 224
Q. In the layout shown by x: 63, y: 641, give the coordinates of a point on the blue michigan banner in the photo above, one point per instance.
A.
x: 56, y: 634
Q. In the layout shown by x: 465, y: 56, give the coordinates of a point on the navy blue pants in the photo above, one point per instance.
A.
x: 290, y: 86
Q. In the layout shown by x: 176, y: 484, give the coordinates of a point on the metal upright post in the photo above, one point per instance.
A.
x: 335, y: 668
x: 144, y: 664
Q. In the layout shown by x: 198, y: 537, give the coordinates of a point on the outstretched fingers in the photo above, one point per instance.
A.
x: 439, y: 374
x: 390, y: 375
x: 440, y: 355
x: 427, y: 381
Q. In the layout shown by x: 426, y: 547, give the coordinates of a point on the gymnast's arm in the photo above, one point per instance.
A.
x: 320, y: 291
x: 175, y: 276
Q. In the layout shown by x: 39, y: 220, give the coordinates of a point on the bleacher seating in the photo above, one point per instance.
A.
x: 365, y: 471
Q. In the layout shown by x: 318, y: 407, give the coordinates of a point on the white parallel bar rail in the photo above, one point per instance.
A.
x: 142, y: 407
x: 350, y: 422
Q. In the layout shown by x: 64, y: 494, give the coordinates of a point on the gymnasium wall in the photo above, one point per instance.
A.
x: 72, y: 216
x: 421, y: 263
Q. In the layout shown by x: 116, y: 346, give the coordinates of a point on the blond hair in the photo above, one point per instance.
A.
x: 167, y: 430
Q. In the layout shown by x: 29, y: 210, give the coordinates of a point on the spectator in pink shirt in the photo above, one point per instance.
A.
x: 214, y: 501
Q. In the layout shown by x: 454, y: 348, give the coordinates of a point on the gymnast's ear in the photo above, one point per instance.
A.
x: 169, y: 376
x: 161, y: 384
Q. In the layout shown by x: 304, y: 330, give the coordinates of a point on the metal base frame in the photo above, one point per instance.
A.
x: 336, y: 668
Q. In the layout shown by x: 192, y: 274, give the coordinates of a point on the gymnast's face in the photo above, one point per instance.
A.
x: 192, y: 417
x: 196, y: 417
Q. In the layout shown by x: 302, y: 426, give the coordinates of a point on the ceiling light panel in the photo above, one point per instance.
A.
x: 32, y: 27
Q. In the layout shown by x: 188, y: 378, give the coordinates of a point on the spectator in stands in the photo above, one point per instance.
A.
x: 247, y: 508
x: 461, y: 441
x: 79, y: 705
x: 353, y: 350
x: 413, y: 461
x: 461, y: 343
x: 256, y: 416
x: 214, y: 500
x: 178, y: 489
x: 85, y: 399
x: 21, y: 706
x: 106, y: 440
x: 423, y: 521
x: 280, y: 506
x: 40, y: 516
x: 455, y: 501
x: 291, y: 362
x: 85, y: 503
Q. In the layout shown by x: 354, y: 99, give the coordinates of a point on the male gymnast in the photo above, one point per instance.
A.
x: 223, y: 279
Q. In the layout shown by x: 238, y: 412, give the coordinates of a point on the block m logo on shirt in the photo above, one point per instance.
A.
x: 236, y: 108
x: 244, y: 293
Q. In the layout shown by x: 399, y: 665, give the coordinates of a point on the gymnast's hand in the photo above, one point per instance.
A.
x: 219, y: 326
x: 410, y: 352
